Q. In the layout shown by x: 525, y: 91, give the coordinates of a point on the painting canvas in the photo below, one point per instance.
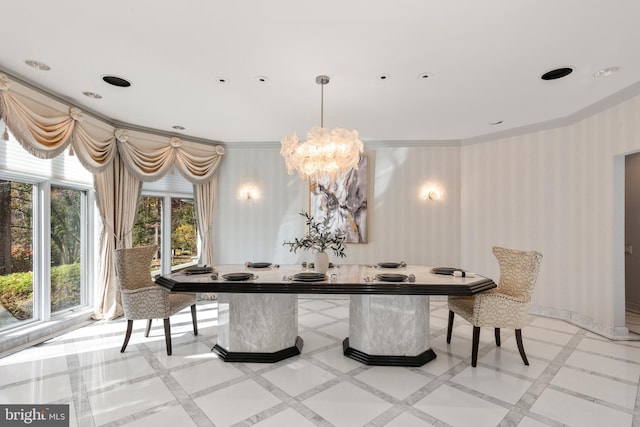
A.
x: 344, y: 202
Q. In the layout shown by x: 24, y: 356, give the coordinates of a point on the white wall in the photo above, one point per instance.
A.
x: 402, y: 227
x: 561, y: 192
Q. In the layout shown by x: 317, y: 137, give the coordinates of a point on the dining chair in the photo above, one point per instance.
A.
x: 142, y: 298
x: 506, y: 306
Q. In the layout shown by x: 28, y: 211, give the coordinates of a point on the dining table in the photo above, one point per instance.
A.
x: 388, y: 307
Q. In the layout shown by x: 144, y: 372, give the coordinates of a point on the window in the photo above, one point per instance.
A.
x: 184, y: 233
x: 28, y: 292
x: 171, y: 216
x: 67, y: 235
x: 46, y: 239
x: 16, y: 253
x: 147, y: 229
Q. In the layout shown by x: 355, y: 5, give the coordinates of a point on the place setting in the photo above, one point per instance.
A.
x: 260, y: 265
x: 235, y: 277
x: 392, y: 264
x: 452, y: 271
x: 307, y: 276
x: 198, y: 269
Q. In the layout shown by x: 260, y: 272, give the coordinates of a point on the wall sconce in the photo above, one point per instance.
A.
x: 431, y: 192
x: 248, y: 193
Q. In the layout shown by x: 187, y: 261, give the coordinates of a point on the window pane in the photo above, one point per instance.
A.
x: 66, y: 238
x: 148, y: 227
x: 16, y: 249
x: 184, y: 234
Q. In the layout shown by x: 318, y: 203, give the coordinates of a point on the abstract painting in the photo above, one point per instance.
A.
x: 344, y: 202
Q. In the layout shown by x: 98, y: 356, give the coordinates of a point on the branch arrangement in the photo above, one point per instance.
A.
x: 319, y: 237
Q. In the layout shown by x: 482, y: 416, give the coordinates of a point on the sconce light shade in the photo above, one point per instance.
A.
x: 430, y: 192
x: 248, y: 193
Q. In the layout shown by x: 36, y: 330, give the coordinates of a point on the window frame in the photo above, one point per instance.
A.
x: 41, y: 235
x: 165, y: 224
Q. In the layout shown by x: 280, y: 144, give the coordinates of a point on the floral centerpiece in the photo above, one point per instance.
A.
x: 319, y: 238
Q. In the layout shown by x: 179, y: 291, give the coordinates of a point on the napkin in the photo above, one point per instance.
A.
x: 460, y: 273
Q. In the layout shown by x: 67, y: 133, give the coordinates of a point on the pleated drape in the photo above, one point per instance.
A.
x: 118, y: 194
x: 120, y: 162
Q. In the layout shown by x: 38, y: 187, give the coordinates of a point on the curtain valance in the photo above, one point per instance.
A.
x: 45, y: 132
x: 120, y: 161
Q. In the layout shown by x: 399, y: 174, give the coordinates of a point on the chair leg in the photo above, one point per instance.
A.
x: 167, y: 335
x: 194, y: 319
x: 497, y: 336
x: 127, y: 335
x: 475, y: 344
x: 450, y: 326
x: 521, y: 347
x: 146, y: 331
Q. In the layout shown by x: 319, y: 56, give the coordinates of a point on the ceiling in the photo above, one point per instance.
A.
x: 483, y: 61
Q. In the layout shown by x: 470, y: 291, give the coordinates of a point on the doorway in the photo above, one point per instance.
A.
x: 632, y: 242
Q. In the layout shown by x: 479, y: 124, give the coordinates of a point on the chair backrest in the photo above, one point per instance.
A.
x: 133, y: 266
x: 518, y: 271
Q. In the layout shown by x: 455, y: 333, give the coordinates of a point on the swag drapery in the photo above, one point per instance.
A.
x: 120, y: 161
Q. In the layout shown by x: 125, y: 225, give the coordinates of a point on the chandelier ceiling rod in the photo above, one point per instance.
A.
x: 322, y: 80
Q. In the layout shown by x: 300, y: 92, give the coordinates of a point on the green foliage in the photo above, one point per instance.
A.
x: 319, y: 237
x: 147, y: 229
x: 184, y: 238
x: 16, y: 294
x: 65, y: 225
x: 148, y: 220
x: 65, y: 286
x: 16, y: 290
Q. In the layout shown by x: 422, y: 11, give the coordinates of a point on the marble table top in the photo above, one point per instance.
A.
x: 342, y: 279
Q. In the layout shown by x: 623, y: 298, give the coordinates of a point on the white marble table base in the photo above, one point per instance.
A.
x: 257, y: 327
x: 391, y: 330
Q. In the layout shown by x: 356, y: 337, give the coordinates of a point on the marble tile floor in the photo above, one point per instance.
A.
x: 575, y: 378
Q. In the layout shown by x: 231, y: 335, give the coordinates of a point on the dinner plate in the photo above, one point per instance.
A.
x: 259, y: 264
x: 198, y: 270
x: 389, y: 264
x: 237, y: 276
x: 392, y: 277
x: 309, y: 277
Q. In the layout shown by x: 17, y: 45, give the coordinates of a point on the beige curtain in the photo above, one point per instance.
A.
x: 205, y: 196
x: 120, y: 160
x: 118, y: 193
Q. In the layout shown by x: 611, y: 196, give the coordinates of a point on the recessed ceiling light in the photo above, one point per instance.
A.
x: 222, y: 80
x: 92, y: 95
x: 557, y: 73
x: 384, y: 76
x: 495, y: 122
x: 178, y: 127
x: 37, y: 65
x: 262, y: 79
x: 116, y: 81
x: 423, y: 76
x: 606, y: 72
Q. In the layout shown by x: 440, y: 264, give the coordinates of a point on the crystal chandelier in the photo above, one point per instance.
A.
x: 326, y: 154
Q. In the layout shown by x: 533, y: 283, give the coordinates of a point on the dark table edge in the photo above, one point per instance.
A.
x: 371, y: 288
